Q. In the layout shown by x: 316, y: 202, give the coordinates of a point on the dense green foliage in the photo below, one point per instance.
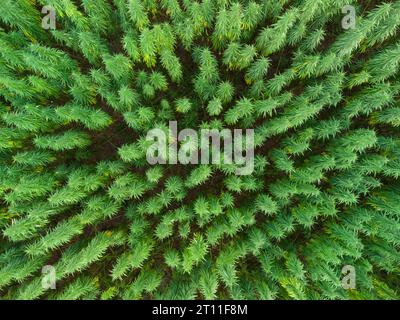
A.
x: 77, y: 193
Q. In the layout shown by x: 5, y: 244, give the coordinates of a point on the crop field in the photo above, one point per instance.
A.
x: 199, y: 149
